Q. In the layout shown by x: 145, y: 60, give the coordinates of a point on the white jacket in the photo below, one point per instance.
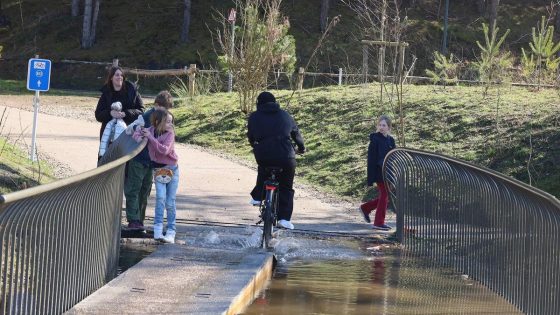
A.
x: 111, y: 132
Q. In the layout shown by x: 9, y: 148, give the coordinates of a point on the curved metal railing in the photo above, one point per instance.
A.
x: 60, y: 241
x: 490, y: 227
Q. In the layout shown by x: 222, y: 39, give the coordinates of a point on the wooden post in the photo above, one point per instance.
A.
x: 115, y: 62
x: 192, y: 77
x: 365, y: 58
x: 339, y: 76
x: 301, y: 73
x: 401, y: 63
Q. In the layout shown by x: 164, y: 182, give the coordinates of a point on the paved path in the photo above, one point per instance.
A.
x: 211, y: 188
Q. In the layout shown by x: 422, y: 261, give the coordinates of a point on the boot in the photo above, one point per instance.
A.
x: 169, y: 237
x: 158, y: 232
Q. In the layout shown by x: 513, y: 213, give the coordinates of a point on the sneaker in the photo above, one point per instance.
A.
x: 285, y: 224
x: 254, y: 202
x: 364, y: 214
x: 158, y: 232
x: 169, y: 237
x: 383, y: 227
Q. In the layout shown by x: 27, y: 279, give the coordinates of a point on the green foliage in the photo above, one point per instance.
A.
x: 542, y: 61
x: 493, y: 63
x: 445, y: 69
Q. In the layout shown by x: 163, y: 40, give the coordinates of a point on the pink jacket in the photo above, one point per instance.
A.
x: 162, y: 148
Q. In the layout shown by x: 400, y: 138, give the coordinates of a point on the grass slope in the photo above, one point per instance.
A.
x: 18, y: 172
x: 456, y: 121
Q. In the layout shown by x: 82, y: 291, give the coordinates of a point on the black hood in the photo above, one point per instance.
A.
x: 270, y: 107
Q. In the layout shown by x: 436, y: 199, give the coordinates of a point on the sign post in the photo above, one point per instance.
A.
x: 231, y: 20
x: 38, y: 79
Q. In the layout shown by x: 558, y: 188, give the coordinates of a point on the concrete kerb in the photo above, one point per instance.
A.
x: 188, y: 280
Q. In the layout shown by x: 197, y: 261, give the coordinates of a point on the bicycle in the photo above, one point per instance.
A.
x: 269, y: 205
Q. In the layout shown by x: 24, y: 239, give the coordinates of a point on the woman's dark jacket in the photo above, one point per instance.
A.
x: 270, y: 131
x: 131, y: 104
x: 379, y: 146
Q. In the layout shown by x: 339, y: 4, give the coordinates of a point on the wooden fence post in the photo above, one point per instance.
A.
x: 339, y: 76
x: 115, y: 62
x: 192, y: 77
x: 365, y: 62
x: 301, y: 73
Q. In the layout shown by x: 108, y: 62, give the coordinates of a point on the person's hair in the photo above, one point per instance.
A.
x: 386, y: 119
x: 109, y: 81
x: 164, y: 99
x: 158, y: 119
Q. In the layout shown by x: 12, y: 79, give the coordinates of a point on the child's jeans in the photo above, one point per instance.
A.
x: 380, y: 203
x: 165, y: 199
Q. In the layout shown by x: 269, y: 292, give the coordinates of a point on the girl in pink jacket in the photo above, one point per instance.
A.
x: 161, y: 147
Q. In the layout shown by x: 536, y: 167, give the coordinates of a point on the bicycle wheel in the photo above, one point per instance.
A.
x: 268, y: 220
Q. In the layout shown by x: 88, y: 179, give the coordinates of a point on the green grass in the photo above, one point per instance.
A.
x: 18, y: 172
x: 455, y: 121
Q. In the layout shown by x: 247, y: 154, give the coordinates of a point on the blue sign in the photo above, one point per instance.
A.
x: 38, y: 75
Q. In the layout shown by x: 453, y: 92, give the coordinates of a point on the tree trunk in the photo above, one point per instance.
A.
x: 94, y: 22
x: 324, y: 14
x: 75, y: 7
x: 493, y: 12
x: 86, y: 28
x: 480, y: 6
x: 186, y: 22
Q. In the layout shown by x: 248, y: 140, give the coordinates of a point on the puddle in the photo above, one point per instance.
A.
x: 380, y: 281
x: 131, y: 254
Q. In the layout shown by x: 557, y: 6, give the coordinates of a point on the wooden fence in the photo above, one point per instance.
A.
x: 192, y: 71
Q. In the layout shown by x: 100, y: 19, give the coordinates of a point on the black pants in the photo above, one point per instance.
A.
x: 286, y: 180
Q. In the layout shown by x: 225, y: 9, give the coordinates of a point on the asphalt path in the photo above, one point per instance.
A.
x: 212, y: 188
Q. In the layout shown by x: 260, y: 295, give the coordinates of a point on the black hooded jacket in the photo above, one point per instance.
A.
x: 132, y: 105
x: 270, y: 131
x: 379, y: 146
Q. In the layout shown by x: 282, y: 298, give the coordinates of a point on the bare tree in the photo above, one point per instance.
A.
x: 493, y: 12
x: 381, y: 21
x: 324, y: 14
x: 91, y: 13
x: 261, y: 43
x: 480, y: 6
x: 94, y: 22
x: 86, y: 27
x: 186, y: 22
x: 75, y: 7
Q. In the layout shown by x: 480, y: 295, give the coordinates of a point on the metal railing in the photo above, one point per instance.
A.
x: 60, y: 241
x: 493, y: 228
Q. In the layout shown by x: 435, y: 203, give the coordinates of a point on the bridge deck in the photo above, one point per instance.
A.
x: 184, y: 280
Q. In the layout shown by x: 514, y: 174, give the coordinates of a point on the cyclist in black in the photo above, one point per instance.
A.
x: 270, y: 131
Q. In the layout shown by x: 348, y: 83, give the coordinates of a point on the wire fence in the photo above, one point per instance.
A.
x: 487, y: 226
x: 60, y: 241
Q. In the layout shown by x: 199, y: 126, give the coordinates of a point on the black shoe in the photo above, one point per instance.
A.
x: 383, y: 227
x: 364, y: 214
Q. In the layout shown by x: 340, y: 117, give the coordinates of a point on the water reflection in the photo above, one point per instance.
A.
x: 131, y: 254
x: 381, y: 284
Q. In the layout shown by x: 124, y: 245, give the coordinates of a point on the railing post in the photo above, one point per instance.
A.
x: 301, y: 73
x: 115, y: 62
x: 192, y: 78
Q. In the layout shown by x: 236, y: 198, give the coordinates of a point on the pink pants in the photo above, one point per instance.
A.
x: 380, y: 203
